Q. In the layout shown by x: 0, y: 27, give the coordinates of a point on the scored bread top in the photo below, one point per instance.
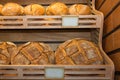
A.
x: 7, y: 49
x: 34, y: 53
x: 78, y: 51
x: 34, y: 9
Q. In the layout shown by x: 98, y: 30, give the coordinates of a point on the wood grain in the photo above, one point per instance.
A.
x: 112, y: 21
x: 116, y: 59
x: 108, y: 6
x: 112, y: 42
x: 99, y: 3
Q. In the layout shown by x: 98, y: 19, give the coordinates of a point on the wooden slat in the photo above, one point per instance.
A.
x: 108, y: 5
x: 108, y: 43
x: 116, y: 39
x: 87, y: 78
x: 112, y: 21
x: 99, y: 3
x: 112, y: 42
x: 116, y: 60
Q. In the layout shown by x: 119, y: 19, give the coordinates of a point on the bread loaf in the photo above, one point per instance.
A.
x: 78, y: 51
x: 33, y: 53
x: 7, y: 49
x: 57, y: 8
x: 12, y: 9
x: 1, y: 6
x: 79, y: 9
x: 34, y: 9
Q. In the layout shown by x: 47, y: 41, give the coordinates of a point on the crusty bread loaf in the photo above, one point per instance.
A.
x: 12, y: 9
x: 34, y: 9
x: 33, y: 53
x: 7, y: 49
x: 1, y: 6
x: 79, y: 9
x: 78, y: 51
x: 57, y: 8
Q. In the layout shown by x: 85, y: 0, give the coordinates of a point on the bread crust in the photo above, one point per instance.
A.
x: 78, y: 51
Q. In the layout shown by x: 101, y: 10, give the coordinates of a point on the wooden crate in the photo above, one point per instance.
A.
x: 20, y: 29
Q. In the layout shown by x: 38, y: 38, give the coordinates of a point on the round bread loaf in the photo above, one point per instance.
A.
x: 78, y: 51
x: 57, y: 8
x: 34, y: 9
x: 1, y: 6
x: 79, y: 9
x: 7, y: 49
x: 33, y: 53
x: 12, y: 9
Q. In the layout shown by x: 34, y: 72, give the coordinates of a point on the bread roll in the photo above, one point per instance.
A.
x: 57, y: 8
x: 77, y: 52
x: 79, y: 9
x: 34, y: 9
x: 12, y: 9
x: 1, y: 6
x: 7, y: 49
x: 33, y: 53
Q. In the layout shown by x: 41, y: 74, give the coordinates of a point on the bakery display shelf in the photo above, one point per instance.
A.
x: 67, y: 72
x: 43, y: 22
x: 90, y: 26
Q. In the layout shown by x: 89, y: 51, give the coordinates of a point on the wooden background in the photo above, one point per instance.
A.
x: 111, y: 37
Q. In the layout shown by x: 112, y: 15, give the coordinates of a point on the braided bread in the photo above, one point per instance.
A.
x: 34, y: 53
x: 78, y: 51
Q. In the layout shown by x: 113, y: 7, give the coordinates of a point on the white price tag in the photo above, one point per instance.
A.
x: 54, y: 73
x: 70, y: 21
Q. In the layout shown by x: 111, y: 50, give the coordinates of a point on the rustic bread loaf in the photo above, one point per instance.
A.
x: 33, y: 53
x: 79, y: 9
x: 12, y: 9
x: 1, y: 6
x: 7, y: 49
x: 34, y: 9
x: 78, y: 51
x: 57, y: 8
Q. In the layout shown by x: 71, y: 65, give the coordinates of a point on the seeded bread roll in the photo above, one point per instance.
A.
x: 34, y: 9
x: 7, y: 49
x: 12, y: 9
x: 79, y: 9
x: 33, y: 53
x: 78, y: 51
x: 57, y: 8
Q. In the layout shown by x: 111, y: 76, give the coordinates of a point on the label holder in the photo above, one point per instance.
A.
x: 70, y: 21
x: 54, y: 73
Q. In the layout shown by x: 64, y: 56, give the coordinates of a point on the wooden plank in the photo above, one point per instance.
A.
x: 43, y: 35
x: 116, y: 39
x: 112, y: 42
x: 116, y: 59
x: 112, y: 21
x: 108, y: 43
x: 99, y: 3
x: 108, y: 6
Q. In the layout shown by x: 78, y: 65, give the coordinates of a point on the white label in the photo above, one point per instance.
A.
x: 54, y: 73
x: 69, y: 21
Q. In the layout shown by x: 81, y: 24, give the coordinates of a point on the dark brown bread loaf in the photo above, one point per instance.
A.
x: 78, y: 51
